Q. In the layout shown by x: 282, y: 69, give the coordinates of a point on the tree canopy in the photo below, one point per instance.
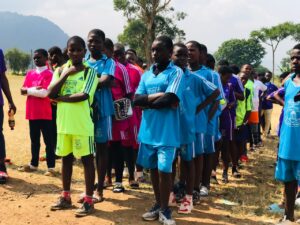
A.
x: 241, y: 51
x: 18, y: 61
x: 146, y: 20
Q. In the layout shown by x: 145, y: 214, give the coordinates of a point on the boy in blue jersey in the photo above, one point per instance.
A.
x: 288, y: 164
x: 103, y: 103
x: 210, y: 106
x: 195, y: 87
x: 159, y: 93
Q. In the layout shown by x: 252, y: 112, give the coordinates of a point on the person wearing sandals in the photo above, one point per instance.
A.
x: 288, y: 163
x: 103, y: 105
x: 39, y: 112
x: 4, y: 86
x: 73, y: 87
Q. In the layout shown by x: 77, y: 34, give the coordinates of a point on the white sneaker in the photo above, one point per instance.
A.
x: 297, y: 203
x: 186, y: 206
x: 172, y: 200
x: 203, y: 191
x: 165, y: 217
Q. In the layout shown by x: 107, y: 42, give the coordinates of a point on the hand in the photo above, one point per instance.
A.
x: 39, y: 87
x: 12, y: 107
x: 23, y: 91
x: 71, y: 70
x: 230, y: 105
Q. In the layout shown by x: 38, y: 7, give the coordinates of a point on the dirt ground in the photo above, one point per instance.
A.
x: 26, y: 198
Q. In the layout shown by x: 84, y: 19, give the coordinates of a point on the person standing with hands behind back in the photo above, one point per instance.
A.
x: 5, y: 87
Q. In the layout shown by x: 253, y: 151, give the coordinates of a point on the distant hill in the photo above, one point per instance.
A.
x: 29, y: 32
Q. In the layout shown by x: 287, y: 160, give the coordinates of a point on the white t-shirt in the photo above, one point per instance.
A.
x: 258, y: 86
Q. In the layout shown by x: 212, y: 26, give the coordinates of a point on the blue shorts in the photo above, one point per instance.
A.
x: 187, y: 152
x: 156, y: 157
x: 199, y: 144
x: 103, y: 130
x: 209, y: 144
x: 287, y: 170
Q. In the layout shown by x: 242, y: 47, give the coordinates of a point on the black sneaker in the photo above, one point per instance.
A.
x: 62, y: 203
x: 196, y: 197
x: 236, y: 173
x: 84, y: 210
x: 118, y: 188
x: 3, y: 177
x: 152, y: 214
x: 225, y: 177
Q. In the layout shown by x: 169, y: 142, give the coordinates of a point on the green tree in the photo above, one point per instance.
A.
x: 285, y: 63
x: 296, y: 32
x: 241, y: 51
x: 273, y: 36
x: 18, y: 61
x: 146, y: 20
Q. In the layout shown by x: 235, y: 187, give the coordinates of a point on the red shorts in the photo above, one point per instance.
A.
x: 253, y: 118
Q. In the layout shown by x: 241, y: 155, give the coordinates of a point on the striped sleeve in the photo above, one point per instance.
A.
x: 90, y: 81
x: 176, y: 84
x: 126, y: 79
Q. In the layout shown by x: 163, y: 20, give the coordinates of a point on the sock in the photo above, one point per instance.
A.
x: 66, y: 194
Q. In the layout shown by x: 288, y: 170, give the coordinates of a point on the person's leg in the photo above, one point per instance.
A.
x: 2, y: 143
x: 109, y: 163
x: 130, y: 162
x: 101, y: 164
x: 165, y: 180
x: 225, y: 159
x: 118, y: 161
x: 207, y: 169
x: 198, y: 172
x: 89, y: 174
x: 54, y: 126
x: 290, y: 191
x: 66, y: 172
x: 268, y: 114
x: 46, y: 128
x: 35, y: 135
x: 155, y: 184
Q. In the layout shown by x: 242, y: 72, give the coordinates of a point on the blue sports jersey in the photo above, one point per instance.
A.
x: 103, y: 96
x: 196, y: 90
x: 290, y: 129
x: 160, y: 127
x: 214, y: 78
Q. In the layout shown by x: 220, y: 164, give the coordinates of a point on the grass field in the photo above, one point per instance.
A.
x: 26, y: 197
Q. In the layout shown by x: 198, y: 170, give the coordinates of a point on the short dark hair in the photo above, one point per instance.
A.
x: 180, y: 45
x: 76, y: 39
x: 120, y: 46
x: 235, y: 69
x: 108, y: 44
x: 223, y: 62
x: 225, y: 70
x: 284, y: 75
x: 55, y: 50
x: 131, y: 50
x: 210, y: 59
x: 297, y: 46
x: 42, y: 51
x: 167, y: 41
x: 98, y: 33
x: 203, y: 48
x: 196, y: 43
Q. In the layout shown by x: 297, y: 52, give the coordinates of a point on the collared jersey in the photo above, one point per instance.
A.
x: 243, y: 106
x: 121, y: 85
x: 103, y: 96
x: 290, y: 129
x: 196, y: 90
x: 75, y: 118
x: 266, y: 104
x: 161, y: 127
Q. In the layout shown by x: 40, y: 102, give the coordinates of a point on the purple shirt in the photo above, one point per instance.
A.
x: 230, y: 98
x: 266, y: 104
x: 2, y: 70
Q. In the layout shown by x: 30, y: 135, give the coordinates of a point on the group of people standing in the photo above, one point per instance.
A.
x: 181, y: 112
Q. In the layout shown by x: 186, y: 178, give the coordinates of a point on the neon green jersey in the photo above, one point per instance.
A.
x: 243, y: 107
x: 75, y: 118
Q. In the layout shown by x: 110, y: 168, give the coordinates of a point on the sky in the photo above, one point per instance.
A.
x: 210, y: 22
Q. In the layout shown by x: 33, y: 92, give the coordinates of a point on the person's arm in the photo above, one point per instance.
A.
x: 239, y: 96
x: 213, y: 109
x: 78, y: 97
x: 105, y: 81
x: 166, y: 101
x: 246, y: 117
x: 144, y: 100
x: 6, y: 90
x: 208, y: 100
x: 278, y: 98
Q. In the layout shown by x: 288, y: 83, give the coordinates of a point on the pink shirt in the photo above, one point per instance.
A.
x: 122, y: 85
x: 134, y: 76
x: 38, y: 108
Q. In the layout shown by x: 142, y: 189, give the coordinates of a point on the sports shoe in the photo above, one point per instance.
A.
x: 62, y: 203
x: 165, y: 217
x: 134, y: 184
x: 244, y: 158
x: 27, y: 168
x: 85, y: 209
x: 118, y: 188
x: 196, y: 197
x: 172, y: 200
x: 50, y: 172
x: 186, y: 206
x: 225, y: 177
x: 179, y: 191
x: 3, y: 177
x: 236, y: 173
x: 203, y: 191
x: 152, y: 214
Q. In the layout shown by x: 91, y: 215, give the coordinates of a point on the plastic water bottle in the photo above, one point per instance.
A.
x: 11, y: 119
